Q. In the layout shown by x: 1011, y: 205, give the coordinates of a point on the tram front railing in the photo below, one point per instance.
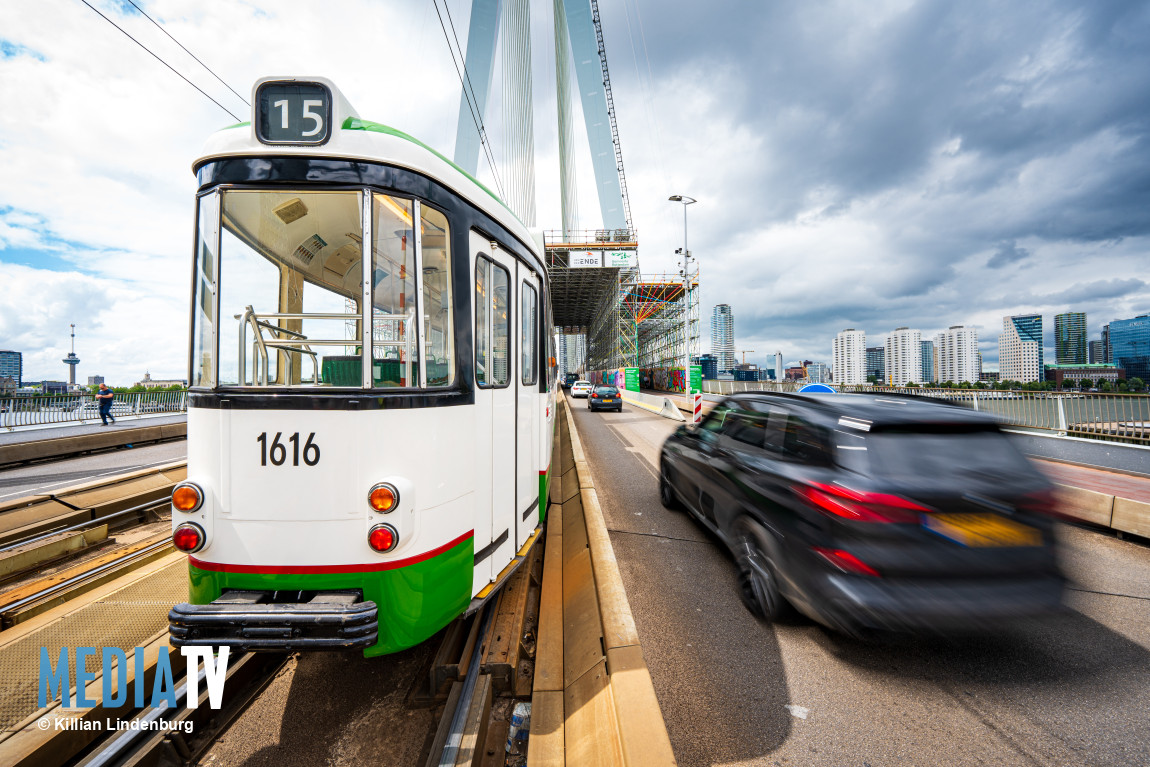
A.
x: 288, y: 343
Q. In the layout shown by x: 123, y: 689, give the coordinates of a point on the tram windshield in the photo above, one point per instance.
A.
x: 288, y: 306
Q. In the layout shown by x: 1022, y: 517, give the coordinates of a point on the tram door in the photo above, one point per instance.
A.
x: 495, y: 393
x: 528, y: 422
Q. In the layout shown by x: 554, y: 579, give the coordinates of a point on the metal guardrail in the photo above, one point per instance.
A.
x: 1110, y: 417
x: 43, y: 409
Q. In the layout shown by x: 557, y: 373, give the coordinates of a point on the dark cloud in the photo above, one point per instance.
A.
x: 1007, y: 253
x: 943, y: 131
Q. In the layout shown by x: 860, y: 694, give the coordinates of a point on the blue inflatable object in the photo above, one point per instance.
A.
x: 817, y: 389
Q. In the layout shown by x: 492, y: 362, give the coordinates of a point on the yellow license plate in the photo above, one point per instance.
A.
x: 608, y: 400
x: 982, y: 530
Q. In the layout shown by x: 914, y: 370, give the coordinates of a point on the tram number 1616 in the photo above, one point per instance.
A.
x: 277, y: 451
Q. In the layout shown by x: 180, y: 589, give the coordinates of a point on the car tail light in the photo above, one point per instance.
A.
x: 188, y: 538
x: 1043, y: 502
x: 860, y: 505
x: 383, y: 538
x: 383, y: 498
x: 594, y: 395
x: 845, y: 561
x: 187, y: 497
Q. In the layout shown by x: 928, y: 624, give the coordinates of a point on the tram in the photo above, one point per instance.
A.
x: 371, y: 390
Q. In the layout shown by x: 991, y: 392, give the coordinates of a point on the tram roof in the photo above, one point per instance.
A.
x: 353, y: 138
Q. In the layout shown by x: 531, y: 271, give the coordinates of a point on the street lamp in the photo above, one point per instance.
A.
x: 686, y: 304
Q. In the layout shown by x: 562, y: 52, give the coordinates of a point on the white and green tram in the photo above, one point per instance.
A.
x: 372, y: 389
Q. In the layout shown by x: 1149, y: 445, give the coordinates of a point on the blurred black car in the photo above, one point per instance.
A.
x: 870, y: 511
x: 605, y: 398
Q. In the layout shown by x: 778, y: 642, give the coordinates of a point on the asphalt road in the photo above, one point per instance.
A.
x: 47, y: 477
x: 1074, y: 690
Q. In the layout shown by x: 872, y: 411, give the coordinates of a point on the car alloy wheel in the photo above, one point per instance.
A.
x: 758, y: 585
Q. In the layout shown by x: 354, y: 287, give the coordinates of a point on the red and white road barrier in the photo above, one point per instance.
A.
x: 697, y: 407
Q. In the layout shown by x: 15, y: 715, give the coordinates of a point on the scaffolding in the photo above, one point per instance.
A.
x: 628, y: 320
x: 657, y: 305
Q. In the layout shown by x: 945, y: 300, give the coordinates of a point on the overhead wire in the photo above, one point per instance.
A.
x: 177, y: 42
x: 469, y: 96
x: 157, y: 58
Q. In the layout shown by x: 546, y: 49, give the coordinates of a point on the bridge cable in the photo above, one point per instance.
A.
x: 468, y: 95
x: 166, y: 64
x: 177, y: 42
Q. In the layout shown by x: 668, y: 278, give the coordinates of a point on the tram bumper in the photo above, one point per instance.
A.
x: 254, y: 621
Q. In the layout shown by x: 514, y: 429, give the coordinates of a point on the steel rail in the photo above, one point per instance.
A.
x: 77, y: 579
x: 459, y: 718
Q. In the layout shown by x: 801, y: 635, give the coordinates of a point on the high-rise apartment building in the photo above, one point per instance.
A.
x: 778, y: 366
x: 1130, y: 346
x: 723, y: 337
x: 903, y: 356
x: 876, y: 363
x: 956, y: 350
x: 849, y: 359
x: 1107, y: 352
x: 1094, y: 353
x: 12, y: 366
x: 1070, y: 338
x: 927, y: 362
x: 818, y: 372
x: 1020, y: 348
x: 572, y: 353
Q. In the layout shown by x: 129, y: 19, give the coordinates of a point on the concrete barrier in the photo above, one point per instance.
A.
x: 1131, y: 517
x: 593, y: 702
x: 56, y: 447
x: 653, y: 403
x: 1085, y: 505
x: 34, y: 514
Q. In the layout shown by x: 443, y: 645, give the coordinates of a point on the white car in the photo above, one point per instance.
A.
x: 581, y: 389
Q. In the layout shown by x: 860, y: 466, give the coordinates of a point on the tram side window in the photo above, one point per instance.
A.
x: 492, y: 323
x: 528, y: 339
x: 435, y: 241
x: 203, y: 294
x: 290, y: 288
x: 394, y: 350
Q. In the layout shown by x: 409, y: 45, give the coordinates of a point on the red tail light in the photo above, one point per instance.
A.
x: 860, y: 505
x: 188, y: 538
x: 594, y: 395
x: 846, y: 561
x: 383, y: 538
x: 1043, y: 502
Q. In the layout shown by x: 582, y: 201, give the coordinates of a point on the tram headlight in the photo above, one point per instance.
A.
x: 188, y: 538
x: 383, y: 498
x: 187, y: 497
x: 383, y: 538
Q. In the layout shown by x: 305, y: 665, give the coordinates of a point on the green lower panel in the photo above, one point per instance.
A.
x: 414, y: 601
x: 544, y: 487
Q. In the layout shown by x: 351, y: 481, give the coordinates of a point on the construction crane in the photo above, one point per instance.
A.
x: 745, y: 352
x: 611, y: 113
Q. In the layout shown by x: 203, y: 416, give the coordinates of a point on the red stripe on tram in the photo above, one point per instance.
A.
x: 394, y: 564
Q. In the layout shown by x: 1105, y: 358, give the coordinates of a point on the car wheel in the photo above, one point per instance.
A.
x: 758, y: 584
x: 666, y: 492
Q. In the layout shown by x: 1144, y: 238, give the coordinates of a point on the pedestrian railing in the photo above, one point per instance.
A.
x: 1112, y: 417
x: 38, y: 410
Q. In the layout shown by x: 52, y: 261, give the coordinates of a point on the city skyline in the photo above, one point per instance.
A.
x: 1004, y: 174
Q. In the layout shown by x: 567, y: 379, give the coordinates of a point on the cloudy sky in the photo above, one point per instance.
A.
x: 857, y: 164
